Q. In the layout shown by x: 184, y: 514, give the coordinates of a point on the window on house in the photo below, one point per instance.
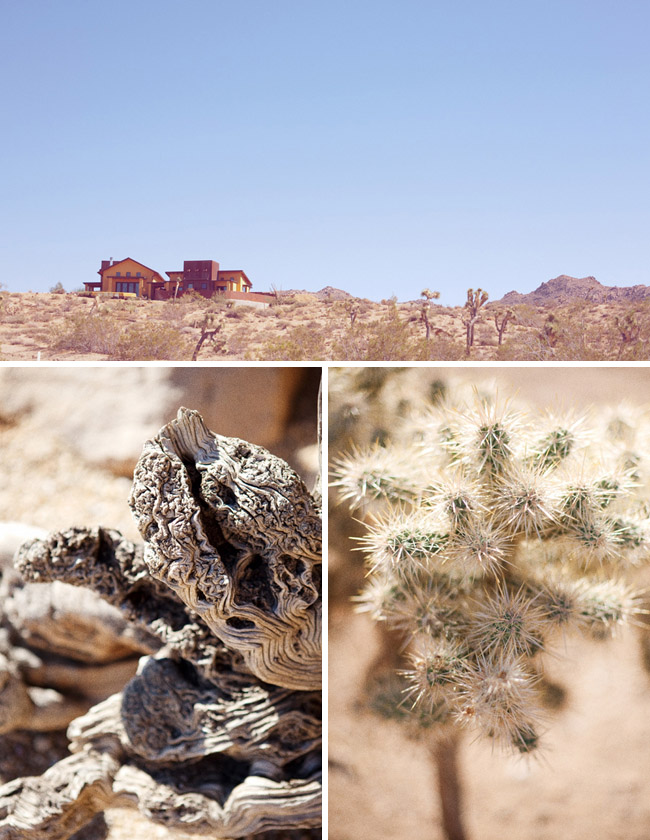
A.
x: 133, y: 288
x: 117, y: 274
x: 204, y: 285
x: 128, y: 273
x: 137, y: 274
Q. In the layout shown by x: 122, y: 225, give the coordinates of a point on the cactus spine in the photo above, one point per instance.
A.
x: 491, y: 532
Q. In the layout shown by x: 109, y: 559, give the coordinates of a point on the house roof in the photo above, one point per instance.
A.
x: 119, y: 262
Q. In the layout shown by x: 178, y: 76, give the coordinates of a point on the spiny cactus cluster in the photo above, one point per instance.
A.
x: 491, y: 531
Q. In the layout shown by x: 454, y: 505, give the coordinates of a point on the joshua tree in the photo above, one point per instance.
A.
x: 351, y: 306
x: 550, y: 333
x: 425, y: 308
x: 490, y: 532
x: 210, y: 328
x: 475, y: 301
x: 505, y: 316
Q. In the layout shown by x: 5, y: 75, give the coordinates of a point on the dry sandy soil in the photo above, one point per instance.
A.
x: 56, y: 428
x: 305, y: 327
x: 593, y: 780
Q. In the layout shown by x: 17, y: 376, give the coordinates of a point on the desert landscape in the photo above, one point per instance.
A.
x: 565, y: 319
x: 591, y: 778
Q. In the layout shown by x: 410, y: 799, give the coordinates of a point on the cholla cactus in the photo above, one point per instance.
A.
x: 491, y: 532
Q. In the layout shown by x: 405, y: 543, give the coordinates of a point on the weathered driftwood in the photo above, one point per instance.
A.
x: 219, y: 731
x: 234, y: 533
x: 61, y: 650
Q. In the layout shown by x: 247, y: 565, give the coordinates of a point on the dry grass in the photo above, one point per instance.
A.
x: 67, y: 328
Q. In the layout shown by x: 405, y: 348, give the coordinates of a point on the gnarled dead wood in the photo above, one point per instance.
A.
x: 167, y: 713
x: 219, y: 732
x: 61, y: 650
x: 233, y: 531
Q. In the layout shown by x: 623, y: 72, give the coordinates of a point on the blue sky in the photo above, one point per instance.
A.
x: 379, y: 147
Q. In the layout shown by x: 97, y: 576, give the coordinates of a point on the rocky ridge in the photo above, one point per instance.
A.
x: 563, y: 289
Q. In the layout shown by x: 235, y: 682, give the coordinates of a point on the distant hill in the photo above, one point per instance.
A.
x: 563, y: 289
x: 327, y: 293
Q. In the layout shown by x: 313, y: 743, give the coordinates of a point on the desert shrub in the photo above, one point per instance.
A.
x: 386, y: 340
x: 300, y: 343
x: 57, y: 289
x: 103, y: 333
x: 239, y: 342
x: 305, y: 299
x: 390, y: 342
x: 575, y: 343
x: 150, y: 341
x: 524, y: 346
x: 527, y: 315
x: 444, y: 349
x: 352, y: 345
x: 235, y: 313
x: 15, y: 317
x: 636, y: 351
x: 41, y: 335
x: 125, y: 306
x: 86, y: 333
x: 376, y: 343
x: 559, y: 339
x: 171, y: 313
x: 287, y: 308
x: 630, y: 330
x: 194, y: 297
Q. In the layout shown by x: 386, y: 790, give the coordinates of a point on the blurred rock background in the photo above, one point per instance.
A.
x: 70, y: 437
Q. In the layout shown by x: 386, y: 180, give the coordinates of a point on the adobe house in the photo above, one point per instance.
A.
x: 206, y: 278
x: 202, y: 276
x: 125, y: 276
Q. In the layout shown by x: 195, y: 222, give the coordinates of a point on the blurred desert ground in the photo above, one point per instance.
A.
x: 69, y: 440
x: 593, y: 778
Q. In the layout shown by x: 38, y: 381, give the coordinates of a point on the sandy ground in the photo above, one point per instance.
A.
x: 30, y: 323
x: 592, y: 779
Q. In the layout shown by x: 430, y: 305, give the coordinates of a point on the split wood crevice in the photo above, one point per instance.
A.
x: 219, y: 732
